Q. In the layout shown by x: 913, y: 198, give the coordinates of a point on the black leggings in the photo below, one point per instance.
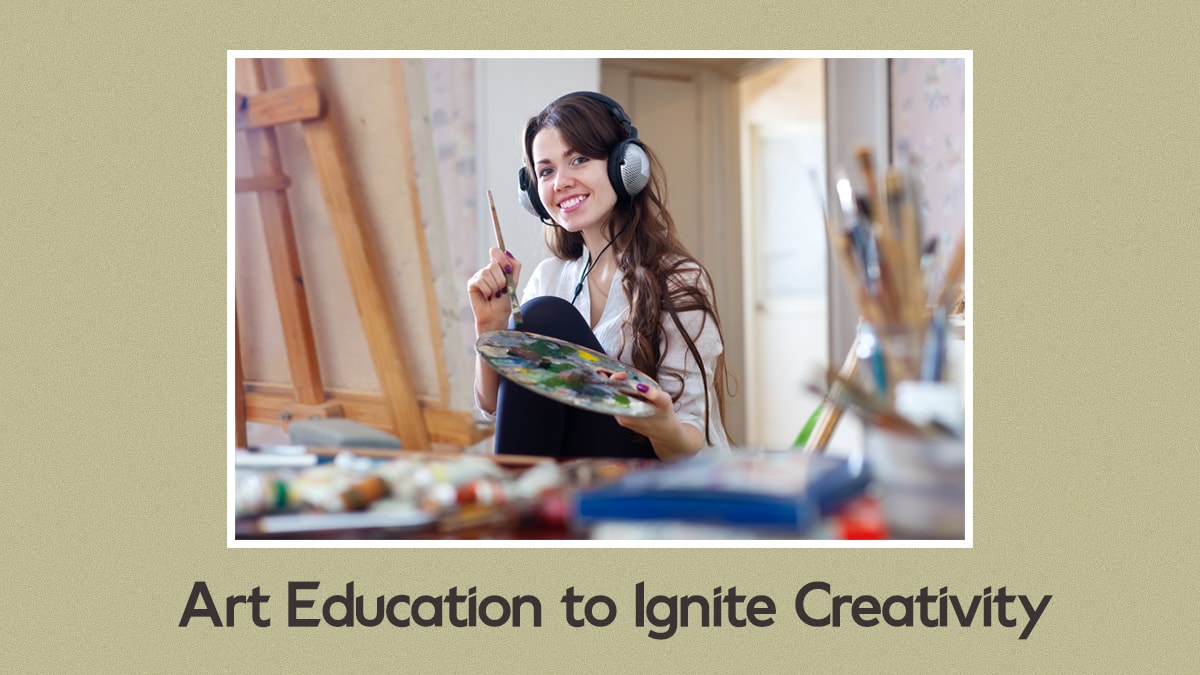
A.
x: 531, y: 424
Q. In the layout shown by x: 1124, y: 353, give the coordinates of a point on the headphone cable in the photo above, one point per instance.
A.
x: 587, y: 269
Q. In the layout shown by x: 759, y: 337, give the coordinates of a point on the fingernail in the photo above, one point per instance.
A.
x: 509, y: 255
x: 508, y: 269
x: 499, y: 294
x: 642, y: 388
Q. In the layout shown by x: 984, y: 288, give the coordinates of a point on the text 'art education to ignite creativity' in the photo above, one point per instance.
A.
x: 815, y: 605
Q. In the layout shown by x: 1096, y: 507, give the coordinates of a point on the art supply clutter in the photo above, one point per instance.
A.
x: 896, y: 377
x: 904, y: 288
x: 416, y: 490
x: 756, y: 494
x: 753, y: 489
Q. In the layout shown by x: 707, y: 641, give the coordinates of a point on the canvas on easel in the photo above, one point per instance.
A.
x: 341, y: 259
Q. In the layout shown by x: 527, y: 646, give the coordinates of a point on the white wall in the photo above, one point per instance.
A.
x: 509, y: 92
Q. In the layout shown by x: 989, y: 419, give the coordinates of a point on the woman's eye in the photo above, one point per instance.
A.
x: 545, y: 172
x: 579, y: 160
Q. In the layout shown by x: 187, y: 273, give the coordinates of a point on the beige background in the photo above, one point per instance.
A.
x: 112, y: 309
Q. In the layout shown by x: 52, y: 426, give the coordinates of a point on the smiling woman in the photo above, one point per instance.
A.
x: 620, y: 283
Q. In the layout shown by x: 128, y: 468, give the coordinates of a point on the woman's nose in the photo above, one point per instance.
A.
x: 562, y: 179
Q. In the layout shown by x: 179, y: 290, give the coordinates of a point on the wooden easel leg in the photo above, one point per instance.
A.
x: 354, y: 243
x: 281, y: 249
x: 414, y: 204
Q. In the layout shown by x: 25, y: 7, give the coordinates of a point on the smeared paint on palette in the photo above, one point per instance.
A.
x: 566, y: 372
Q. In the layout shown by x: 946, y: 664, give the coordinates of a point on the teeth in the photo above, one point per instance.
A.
x: 571, y: 202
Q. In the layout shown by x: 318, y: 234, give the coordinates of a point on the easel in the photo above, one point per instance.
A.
x: 398, y: 408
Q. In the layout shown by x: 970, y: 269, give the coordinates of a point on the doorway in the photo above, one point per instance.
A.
x: 782, y: 111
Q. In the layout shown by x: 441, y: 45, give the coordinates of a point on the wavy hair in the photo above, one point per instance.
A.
x: 661, y: 279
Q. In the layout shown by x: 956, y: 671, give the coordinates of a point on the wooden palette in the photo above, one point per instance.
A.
x: 566, y: 372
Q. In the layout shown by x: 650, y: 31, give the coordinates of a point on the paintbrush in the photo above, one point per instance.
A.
x: 843, y: 245
x: 886, y: 251
x: 867, y: 166
x: 831, y: 412
x: 861, y: 403
x: 953, y: 274
x: 845, y: 393
x: 508, y: 280
x: 904, y: 222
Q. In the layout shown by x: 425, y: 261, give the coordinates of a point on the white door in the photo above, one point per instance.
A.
x: 788, y: 263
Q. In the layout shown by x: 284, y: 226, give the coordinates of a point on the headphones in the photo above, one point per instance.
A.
x: 628, y: 163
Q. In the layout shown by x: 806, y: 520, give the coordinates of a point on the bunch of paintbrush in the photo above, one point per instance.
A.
x: 876, y: 234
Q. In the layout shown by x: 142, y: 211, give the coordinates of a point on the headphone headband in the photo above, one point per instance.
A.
x: 613, y: 107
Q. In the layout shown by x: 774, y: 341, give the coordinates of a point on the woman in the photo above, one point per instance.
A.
x: 620, y: 282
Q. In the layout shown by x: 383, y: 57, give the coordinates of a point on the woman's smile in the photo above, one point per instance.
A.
x: 571, y: 203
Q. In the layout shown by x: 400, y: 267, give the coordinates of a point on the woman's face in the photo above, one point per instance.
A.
x: 573, y: 188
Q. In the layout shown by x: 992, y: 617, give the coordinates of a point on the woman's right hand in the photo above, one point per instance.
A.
x: 488, y: 291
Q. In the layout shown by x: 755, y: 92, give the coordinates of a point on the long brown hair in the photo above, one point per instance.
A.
x: 660, y: 277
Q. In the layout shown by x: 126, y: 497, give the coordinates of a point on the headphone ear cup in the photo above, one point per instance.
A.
x: 629, y: 168
x: 528, y: 197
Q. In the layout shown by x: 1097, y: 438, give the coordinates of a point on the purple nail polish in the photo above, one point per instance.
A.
x: 642, y: 388
x: 499, y: 294
x: 509, y: 255
x: 508, y: 269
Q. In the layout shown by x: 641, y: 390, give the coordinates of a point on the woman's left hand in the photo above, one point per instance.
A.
x: 671, y: 438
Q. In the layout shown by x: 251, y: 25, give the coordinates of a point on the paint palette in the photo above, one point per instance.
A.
x: 566, y: 372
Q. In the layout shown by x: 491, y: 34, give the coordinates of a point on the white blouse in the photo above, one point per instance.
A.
x: 559, y: 278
